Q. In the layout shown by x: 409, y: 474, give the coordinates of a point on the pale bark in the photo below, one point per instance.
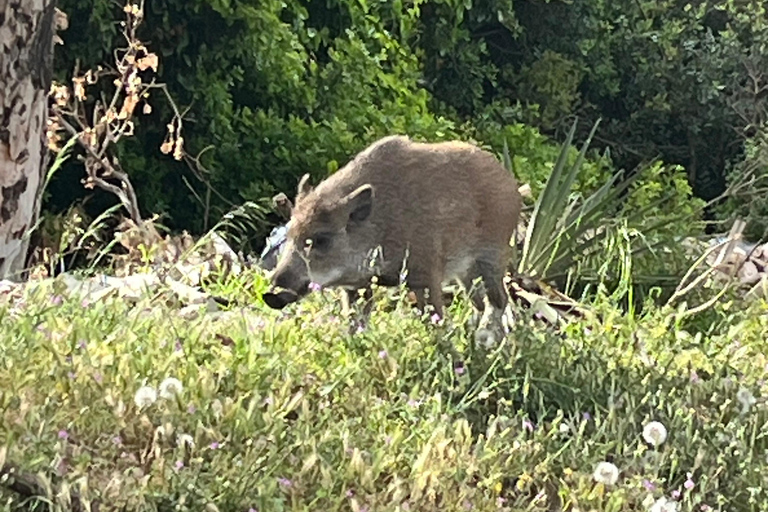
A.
x: 26, y: 62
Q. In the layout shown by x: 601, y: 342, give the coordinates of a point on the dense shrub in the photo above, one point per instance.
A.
x: 276, y: 89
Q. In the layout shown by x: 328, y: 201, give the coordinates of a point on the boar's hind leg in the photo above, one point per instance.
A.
x: 492, y: 273
x: 474, y: 289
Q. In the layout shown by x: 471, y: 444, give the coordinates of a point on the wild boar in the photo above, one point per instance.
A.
x: 447, y: 210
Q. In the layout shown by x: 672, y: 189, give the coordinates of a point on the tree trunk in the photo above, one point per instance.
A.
x: 26, y: 67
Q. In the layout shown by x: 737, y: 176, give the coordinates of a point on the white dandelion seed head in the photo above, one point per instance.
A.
x: 145, y: 396
x: 170, y: 387
x: 655, y: 433
x: 606, y: 473
x: 663, y: 505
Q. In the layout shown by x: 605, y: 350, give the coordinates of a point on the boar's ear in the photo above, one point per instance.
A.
x: 282, y: 205
x: 304, y: 187
x: 359, y: 203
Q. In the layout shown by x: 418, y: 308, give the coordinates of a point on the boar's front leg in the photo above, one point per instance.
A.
x: 434, y: 286
x: 350, y: 297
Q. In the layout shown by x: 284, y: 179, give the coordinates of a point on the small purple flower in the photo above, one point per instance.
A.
x: 705, y: 507
x: 458, y: 368
x: 468, y: 505
x: 435, y: 318
x: 84, y: 303
x: 649, y: 486
x: 63, y: 434
x: 56, y: 300
x: 191, y: 409
x: 528, y: 425
x: 315, y: 287
x: 268, y: 401
x: 252, y: 510
x: 414, y: 403
x: 82, y: 344
x: 349, y: 493
x: 71, y: 375
x: 117, y: 440
x: 388, y: 440
x: 500, y: 501
x: 179, y: 464
x: 694, y: 377
x: 214, y: 445
x: 98, y: 377
x: 586, y: 416
x: 383, y: 354
x: 675, y: 494
x: 177, y: 346
x: 284, y: 482
x: 360, y: 329
x: 689, y: 484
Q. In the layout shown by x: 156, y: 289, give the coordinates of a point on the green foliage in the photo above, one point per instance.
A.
x: 534, y: 155
x: 661, y: 74
x: 748, y: 180
x: 298, y: 92
x: 309, y: 84
x: 552, y: 81
x: 573, y: 238
x: 285, y: 411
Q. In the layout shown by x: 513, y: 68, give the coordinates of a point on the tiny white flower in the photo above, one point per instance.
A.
x: 170, y: 387
x: 185, y: 440
x: 606, y: 473
x: 564, y: 428
x: 145, y: 396
x: 655, y: 433
x: 663, y: 505
x: 746, y: 399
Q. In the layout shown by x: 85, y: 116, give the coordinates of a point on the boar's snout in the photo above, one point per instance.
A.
x: 278, y: 300
x: 292, y: 285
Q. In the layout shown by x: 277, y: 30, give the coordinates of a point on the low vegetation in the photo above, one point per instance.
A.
x: 125, y: 405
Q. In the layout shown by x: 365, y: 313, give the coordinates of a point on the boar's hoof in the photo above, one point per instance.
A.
x: 278, y: 300
x: 488, y: 336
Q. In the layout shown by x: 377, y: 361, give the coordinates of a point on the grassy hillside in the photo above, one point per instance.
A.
x: 288, y: 411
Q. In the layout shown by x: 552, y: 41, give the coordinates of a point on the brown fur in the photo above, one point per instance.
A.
x: 448, y: 209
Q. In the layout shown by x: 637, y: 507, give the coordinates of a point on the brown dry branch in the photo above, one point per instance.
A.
x: 709, y: 275
x: 112, y: 120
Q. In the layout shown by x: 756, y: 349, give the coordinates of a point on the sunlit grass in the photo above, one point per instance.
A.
x: 288, y: 411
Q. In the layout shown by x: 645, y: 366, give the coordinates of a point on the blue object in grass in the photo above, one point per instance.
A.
x: 274, y: 246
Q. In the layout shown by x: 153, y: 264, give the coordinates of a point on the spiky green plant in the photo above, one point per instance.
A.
x: 567, y: 230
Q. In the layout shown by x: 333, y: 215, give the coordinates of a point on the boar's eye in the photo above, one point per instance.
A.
x: 319, y: 242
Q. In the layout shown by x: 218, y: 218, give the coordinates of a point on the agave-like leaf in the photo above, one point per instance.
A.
x: 554, y: 207
x: 593, y: 213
